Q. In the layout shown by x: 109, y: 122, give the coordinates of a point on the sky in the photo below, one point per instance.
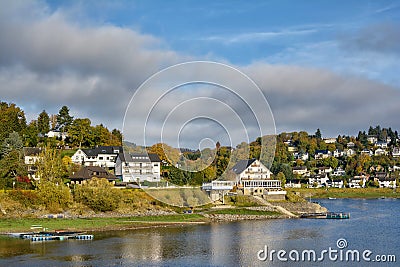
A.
x: 332, y: 65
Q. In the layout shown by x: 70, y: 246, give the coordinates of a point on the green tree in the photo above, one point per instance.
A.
x: 281, y: 177
x: 31, y: 134
x: 81, y: 132
x: 12, y: 118
x: 12, y: 143
x: 64, y: 119
x: 318, y: 134
x: 12, y: 165
x: 43, y: 123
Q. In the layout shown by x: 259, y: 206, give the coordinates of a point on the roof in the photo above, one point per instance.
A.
x: 31, y: 151
x: 242, y: 165
x: 321, y: 151
x: 88, y: 172
x: 141, y: 157
x: 298, y: 168
x: 93, y: 152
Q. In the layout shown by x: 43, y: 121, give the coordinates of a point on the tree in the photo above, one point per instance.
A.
x: 318, y: 134
x: 81, y: 132
x: 64, y: 120
x: 12, y: 143
x: 12, y: 118
x: 281, y: 177
x: 12, y: 165
x: 31, y: 134
x: 50, y: 167
x: 43, y: 123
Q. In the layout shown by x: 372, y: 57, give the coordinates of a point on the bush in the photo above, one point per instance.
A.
x: 26, y: 198
x: 98, y: 195
x: 54, y: 197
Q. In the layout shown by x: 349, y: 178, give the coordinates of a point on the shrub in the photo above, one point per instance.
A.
x: 54, y: 197
x: 26, y: 198
x: 98, y: 195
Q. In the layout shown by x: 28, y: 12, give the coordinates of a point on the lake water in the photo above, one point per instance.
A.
x: 374, y: 225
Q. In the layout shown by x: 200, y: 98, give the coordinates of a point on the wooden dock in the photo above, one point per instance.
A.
x: 326, y: 215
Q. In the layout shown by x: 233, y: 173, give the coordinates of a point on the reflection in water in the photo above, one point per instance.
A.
x: 217, y: 244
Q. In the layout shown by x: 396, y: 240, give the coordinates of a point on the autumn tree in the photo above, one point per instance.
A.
x: 50, y: 166
x: 80, y: 132
x: 12, y: 118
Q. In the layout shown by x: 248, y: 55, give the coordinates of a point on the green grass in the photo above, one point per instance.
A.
x: 244, y: 212
x: 347, y: 192
x: 93, y: 224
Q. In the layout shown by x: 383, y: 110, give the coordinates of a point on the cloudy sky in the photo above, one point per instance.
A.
x: 332, y: 65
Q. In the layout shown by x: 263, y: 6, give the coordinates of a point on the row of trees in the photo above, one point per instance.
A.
x: 79, y: 131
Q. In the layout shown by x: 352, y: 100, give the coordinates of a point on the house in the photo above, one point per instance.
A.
x: 300, y: 170
x: 293, y: 183
x: 301, y: 156
x: 322, y: 170
x: 254, y: 178
x: 292, y: 149
x: 216, y: 189
x: 338, y: 153
x: 31, y: 156
x: 138, y: 167
x: 396, y: 152
x: 337, y: 183
x: 372, y: 139
x: 382, y: 144
x: 350, y: 152
x: 317, y: 181
x: 350, y: 145
x: 322, y: 154
x: 387, y: 182
x: 330, y: 140
x: 102, y: 156
x: 367, y: 152
x: 380, y: 152
x: 338, y: 172
x: 358, y: 181
x: 89, y: 172
x: 57, y: 134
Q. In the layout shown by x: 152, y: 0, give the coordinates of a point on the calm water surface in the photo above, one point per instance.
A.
x: 374, y: 225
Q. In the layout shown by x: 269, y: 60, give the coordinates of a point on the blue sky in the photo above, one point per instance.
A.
x: 331, y: 65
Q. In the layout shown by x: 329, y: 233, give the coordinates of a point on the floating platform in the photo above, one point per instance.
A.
x: 326, y: 215
x: 56, y: 235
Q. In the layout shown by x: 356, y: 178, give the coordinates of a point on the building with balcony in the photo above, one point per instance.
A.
x: 138, y: 167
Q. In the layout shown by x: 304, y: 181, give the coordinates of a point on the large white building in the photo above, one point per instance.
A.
x: 102, y: 156
x: 254, y: 178
x: 138, y: 167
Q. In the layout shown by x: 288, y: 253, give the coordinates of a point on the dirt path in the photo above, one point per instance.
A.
x: 278, y: 208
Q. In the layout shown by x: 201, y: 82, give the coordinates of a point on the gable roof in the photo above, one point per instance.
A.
x: 31, y: 151
x: 242, y: 165
x: 88, y: 172
x: 141, y: 157
x: 93, y: 152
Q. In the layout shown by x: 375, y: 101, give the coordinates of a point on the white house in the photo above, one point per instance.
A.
x: 330, y: 140
x: 300, y: 170
x: 138, y: 167
x: 102, y: 156
x: 322, y: 154
x: 57, y: 134
x: 372, y: 139
x: 300, y: 155
x: 254, y: 178
x: 387, y: 182
x: 367, y: 152
x: 358, y: 181
x: 338, y: 172
x: 322, y: 170
x: 337, y: 183
x: 31, y: 156
x: 350, y: 145
x: 338, y: 153
x: 293, y: 183
x: 381, y: 144
x: 396, y: 152
x: 318, y: 180
x: 380, y: 152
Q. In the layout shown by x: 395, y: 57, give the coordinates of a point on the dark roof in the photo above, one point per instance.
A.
x: 297, y: 168
x: 93, y: 152
x: 31, y: 151
x: 321, y: 151
x: 88, y: 172
x: 337, y: 180
x: 141, y: 157
x: 382, y: 179
x: 242, y: 165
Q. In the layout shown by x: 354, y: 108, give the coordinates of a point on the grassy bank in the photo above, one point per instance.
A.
x: 244, y: 212
x: 97, y: 224
x: 346, y: 192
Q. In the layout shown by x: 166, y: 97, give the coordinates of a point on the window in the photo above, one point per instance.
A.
x: 100, y: 158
